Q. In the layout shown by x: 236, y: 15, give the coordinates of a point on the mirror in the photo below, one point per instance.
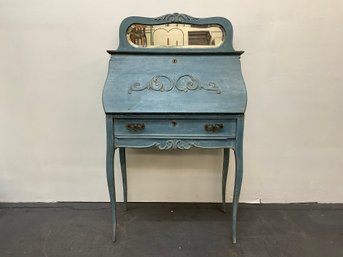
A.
x: 175, y: 35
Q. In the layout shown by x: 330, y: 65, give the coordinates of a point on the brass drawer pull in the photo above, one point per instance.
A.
x: 135, y: 127
x: 213, y: 127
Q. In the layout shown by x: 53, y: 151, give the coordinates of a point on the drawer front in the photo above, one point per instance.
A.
x: 137, y: 128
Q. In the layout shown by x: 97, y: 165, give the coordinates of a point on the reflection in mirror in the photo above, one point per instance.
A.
x: 175, y: 35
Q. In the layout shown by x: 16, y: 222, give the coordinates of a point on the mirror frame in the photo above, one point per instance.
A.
x: 225, y: 47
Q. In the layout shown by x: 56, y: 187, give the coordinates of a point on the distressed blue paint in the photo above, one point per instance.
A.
x: 238, y: 175
x: 126, y: 70
x: 174, y: 127
x: 110, y: 172
x: 122, y: 157
x: 159, y: 143
x: 226, y: 161
x: 152, y: 101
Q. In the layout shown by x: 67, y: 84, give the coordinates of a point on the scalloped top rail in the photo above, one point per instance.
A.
x: 175, y: 33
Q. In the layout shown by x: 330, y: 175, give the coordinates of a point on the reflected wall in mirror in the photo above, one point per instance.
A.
x: 175, y: 35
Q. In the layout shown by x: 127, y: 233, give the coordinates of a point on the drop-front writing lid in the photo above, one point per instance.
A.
x: 174, y: 84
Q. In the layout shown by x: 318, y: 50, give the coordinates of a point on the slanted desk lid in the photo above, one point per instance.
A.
x: 175, y: 64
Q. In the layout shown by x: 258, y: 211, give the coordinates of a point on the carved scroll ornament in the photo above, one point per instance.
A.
x: 184, y: 83
x: 175, y: 144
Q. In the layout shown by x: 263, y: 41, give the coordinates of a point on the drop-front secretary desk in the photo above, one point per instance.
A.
x: 175, y: 82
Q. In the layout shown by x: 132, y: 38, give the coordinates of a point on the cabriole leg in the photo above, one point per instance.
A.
x: 122, y: 157
x: 110, y: 173
x: 226, y: 161
x: 237, y: 189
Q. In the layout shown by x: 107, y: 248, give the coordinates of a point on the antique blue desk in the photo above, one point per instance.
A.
x: 175, y: 82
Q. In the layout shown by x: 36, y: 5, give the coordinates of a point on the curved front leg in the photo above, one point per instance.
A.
x: 226, y: 161
x: 110, y: 172
x: 238, y: 175
x: 122, y: 157
x: 237, y: 190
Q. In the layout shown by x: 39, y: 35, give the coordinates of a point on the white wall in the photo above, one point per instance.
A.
x: 52, y: 133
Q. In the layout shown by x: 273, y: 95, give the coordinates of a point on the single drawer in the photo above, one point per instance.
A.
x: 181, y: 128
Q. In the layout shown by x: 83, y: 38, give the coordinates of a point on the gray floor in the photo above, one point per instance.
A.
x: 156, y: 229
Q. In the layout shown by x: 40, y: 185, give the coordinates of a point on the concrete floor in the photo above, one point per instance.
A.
x: 163, y: 230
